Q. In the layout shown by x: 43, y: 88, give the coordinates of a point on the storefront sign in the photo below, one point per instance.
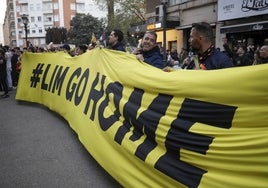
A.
x: 154, y: 26
x: 230, y: 9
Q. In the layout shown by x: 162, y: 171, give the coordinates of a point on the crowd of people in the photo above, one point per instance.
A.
x: 202, y: 54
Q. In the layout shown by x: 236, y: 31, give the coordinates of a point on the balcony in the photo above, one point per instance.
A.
x: 23, y: 1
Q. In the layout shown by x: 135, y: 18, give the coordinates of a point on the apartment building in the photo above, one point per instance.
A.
x: 240, y: 21
x: 42, y: 14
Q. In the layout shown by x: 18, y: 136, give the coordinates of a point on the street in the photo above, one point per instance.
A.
x: 39, y: 149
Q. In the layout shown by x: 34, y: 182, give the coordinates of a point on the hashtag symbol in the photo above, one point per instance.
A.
x: 37, y: 72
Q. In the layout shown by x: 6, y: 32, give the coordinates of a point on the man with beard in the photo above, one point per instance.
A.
x: 207, y: 56
x: 149, y: 52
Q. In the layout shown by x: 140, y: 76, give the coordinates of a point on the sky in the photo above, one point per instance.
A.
x: 3, y: 5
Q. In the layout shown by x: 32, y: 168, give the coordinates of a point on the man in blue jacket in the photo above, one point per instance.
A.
x: 149, y: 52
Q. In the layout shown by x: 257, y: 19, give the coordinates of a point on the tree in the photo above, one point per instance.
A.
x: 82, y: 28
x: 126, y: 13
x: 56, y: 35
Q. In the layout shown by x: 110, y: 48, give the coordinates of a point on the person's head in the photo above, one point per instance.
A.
x: 264, y: 52
x: 241, y: 50
x: 81, y: 49
x: 201, y: 37
x: 66, y: 47
x: 115, y: 37
x: 149, y: 41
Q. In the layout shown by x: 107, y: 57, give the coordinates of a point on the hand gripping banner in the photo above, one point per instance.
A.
x: 150, y: 128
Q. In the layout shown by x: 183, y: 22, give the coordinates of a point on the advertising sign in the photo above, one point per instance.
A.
x: 230, y: 9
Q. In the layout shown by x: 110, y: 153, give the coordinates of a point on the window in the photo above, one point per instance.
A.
x: 40, y: 30
x: 49, y: 19
x: 47, y: 6
x: 56, y: 18
x: 32, y: 19
x: 24, y: 8
x: 38, y: 7
x: 80, y: 7
x: 31, y: 7
x: 56, y: 6
x: 39, y: 18
x: 33, y: 31
x: 72, y: 6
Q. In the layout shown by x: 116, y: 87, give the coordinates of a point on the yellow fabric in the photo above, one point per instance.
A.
x: 150, y: 128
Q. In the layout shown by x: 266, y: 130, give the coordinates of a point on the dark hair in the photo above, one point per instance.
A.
x: 83, y: 47
x: 151, y: 33
x: 205, y: 29
x: 119, y: 34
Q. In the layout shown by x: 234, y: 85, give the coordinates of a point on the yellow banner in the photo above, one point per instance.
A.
x: 150, y: 128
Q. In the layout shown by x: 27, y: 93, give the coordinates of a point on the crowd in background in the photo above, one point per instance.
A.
x: 148, y: 51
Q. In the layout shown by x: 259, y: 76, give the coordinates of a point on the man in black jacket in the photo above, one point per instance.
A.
x: 115, y: 40
x: 201, y: 43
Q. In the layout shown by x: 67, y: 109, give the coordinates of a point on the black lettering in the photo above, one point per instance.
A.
x: 82, y: 83
x: 116, y: 89
x: 52, y: 77
x: 70, y: 89
x: 130, y: 111
x: 44, y: 85
x: 149, y: 120
x: 178, y: 136
x: 95, y: 95
x: 59, y: 79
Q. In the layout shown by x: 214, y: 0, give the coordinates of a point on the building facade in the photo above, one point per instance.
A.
x: 240, y: 21
x: 42, y: 14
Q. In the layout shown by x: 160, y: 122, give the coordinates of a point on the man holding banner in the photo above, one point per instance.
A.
x: 209, y: 57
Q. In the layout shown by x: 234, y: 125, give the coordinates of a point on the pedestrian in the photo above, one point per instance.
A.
x: 263, y: 54
x: 201, y: 43
x: 14, y: 61
x: 3, y: 74
x: 82, y: 48
x: 115, y: 40
x: 149, y: 51
x: 8, y: 56
x: 242, y: 58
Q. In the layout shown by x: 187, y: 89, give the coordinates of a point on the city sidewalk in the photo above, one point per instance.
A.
x: 38, y: 149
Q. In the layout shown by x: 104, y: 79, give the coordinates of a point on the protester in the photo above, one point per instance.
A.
x: 82, y: 48
x: 263, y: 54
x: 201, y: 43
x: 242, y: 59
x: 115, y: 40
x: 173, y: 59
x: 3, y: 74
x: 14, y: 61
x: 8, y: 56
x: 149, y: 51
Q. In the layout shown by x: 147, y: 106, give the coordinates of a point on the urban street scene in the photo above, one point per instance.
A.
x: 133, y: 93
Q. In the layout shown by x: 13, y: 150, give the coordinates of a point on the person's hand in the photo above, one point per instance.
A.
x: 137, y: 51
x: 140, y: 57
x: 168, y: 69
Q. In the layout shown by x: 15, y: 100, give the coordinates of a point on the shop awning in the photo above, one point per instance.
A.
x: 255, y: 26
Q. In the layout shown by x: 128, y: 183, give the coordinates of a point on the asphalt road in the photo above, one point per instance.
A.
x: 38, y: 149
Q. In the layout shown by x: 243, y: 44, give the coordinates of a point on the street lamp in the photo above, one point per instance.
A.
x: 164, y: 25
x: 25, y: 23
